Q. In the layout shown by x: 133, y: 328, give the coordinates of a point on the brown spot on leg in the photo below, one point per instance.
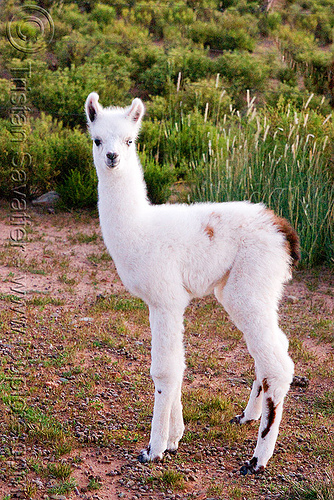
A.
x: 224, y: 279
x: 270, y: 417
x: 209, y: 231
x: 265, y: 385
x: 259, y: 391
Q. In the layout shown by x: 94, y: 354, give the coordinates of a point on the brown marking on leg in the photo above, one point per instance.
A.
x: 265, y: 385
x: 271, y: 417
x: 224, y: 279
x: 259, y: 391
x: 209, y: 231
x: 292, y: 239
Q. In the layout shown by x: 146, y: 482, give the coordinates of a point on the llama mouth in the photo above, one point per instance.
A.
x: 112, y: 164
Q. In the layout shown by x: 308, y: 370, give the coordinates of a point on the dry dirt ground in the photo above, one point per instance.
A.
x: 76, y: 397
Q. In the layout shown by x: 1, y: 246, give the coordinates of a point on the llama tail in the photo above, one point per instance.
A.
x: 292, y: 238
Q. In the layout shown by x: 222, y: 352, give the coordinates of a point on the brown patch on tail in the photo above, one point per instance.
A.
x: 291, y: 236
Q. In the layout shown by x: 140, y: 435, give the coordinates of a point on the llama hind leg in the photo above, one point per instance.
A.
x: 254, y: 312
x: 275, y: 370
x: 253, y: 409
x: 167, y: 372
x: 277, y: 374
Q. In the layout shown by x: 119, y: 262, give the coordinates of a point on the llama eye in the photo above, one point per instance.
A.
x: 128, y: 142
x: 97, y: 142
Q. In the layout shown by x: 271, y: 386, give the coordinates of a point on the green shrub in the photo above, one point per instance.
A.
x: 79, y: 189
x: 192, y: 64
x: 103, y: 14
x: 63, y: 93
x: 158, y: 178
x: 288, y: 76
x: 5, y: 104
x: 269, y: 23
x: 50, y: 150
x: 243, y: 72
x: 230, y: 33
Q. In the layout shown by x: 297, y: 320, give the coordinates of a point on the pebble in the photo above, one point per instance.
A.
x: 292, y: 299
x: 47, y: 199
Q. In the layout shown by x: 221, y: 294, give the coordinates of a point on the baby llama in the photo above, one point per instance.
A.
x: 168, y: 254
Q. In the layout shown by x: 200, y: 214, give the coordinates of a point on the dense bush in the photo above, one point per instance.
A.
x: 53, y: 150
x: 62, y: 93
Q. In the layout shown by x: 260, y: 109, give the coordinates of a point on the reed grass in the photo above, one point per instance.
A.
x: 280, y: 157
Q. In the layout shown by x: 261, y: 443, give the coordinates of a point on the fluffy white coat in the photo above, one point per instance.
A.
x: 168, y: 254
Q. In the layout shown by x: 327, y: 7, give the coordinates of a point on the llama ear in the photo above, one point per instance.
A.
x: 92, y: 106
x: 136, y: 111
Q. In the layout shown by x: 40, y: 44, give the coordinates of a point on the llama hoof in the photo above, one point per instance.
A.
x: 172, y: 451
x: 236, y: 420
x: 145, y: 457
x: 251, y: 468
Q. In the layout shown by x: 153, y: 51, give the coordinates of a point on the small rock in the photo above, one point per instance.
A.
x: 300, y: 381
x: 47, y: 199
x: 38, y: 483
x: 292, y: 299
x: 86, y: 319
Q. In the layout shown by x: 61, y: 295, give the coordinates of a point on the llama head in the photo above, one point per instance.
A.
x: 114, y: 132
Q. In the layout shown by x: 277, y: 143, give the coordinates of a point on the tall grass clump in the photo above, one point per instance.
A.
x: 280, y: 158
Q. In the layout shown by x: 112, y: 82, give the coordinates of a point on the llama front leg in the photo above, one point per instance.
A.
x: 167, y: 372
x: 176, y: 425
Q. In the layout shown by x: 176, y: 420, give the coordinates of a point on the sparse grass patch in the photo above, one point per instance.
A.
x: 43, y: 300
x: 30, y: 489
x: 322, y: 330
x: 118, y: 303
x: 67, y: 281
x: 201, y: 406
x: 38, y: 426
x: 95, y: 483
x: 234, y: 492
x: 299, y: 351
x: 83, y: 238
x: 60, y: 471
x: 168, y: 479
x: 63, y: 487
x: 99, y: 258
x: 325, y: 403
x: 314, y: 491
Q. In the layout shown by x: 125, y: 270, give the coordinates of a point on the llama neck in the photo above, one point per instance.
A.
x: 123, y: 195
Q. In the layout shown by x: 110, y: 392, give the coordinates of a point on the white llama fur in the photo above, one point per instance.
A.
x: 168, y: 254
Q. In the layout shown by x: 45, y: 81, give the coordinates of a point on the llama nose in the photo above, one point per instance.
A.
x: 112, y: 156
x: 112, y: 159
